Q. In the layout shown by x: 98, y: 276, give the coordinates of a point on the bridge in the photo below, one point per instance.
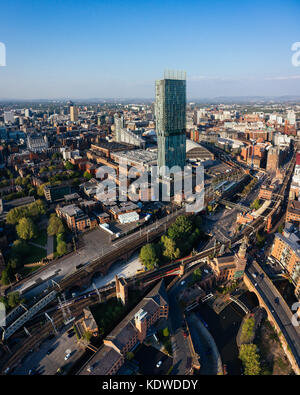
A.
x: 279, y: 315
x: 238, y: 206
x: 240, y: 304
x: 19, y: 322
x: 189, y: 263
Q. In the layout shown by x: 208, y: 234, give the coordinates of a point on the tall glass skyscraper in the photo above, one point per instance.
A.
x: 170, y: 112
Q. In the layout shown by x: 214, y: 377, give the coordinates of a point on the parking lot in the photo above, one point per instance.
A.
x: 148, y: 358
x: 51, y: 355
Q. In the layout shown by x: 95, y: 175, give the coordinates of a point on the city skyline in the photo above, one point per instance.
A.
x: 92, y: 49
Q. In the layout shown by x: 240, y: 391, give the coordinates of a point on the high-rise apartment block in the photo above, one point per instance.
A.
x: 273, y: 159
x: 73, y: 113
x: 170, y: 112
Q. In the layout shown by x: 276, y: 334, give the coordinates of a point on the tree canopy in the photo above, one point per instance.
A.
x: 149, y: 256
x: 250, y: 359
x: 87, y: 175
x: 26, y: 229
x: 61, y: 248
x: 32, y: 210
x: 169, y: 248
x: 55, y: 226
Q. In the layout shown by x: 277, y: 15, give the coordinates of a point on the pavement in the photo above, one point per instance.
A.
x: 48, y: 364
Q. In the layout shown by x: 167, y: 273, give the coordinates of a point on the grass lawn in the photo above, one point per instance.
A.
x: 28, y: 270
x: 42, y: 238
x: 36, y: 254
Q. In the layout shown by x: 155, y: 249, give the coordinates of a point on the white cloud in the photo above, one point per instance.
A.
x: 283, y: 78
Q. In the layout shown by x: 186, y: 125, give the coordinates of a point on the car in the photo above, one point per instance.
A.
x: 158, y: 364
x: 182, y: 282
x: 90, y: 368
x: 185, y: 333
x: 67, y: 356
x: 255, y: 284
x: 31, y: 372
x: 70, y: 334
x: 276, y: 300
x: 50, y: 350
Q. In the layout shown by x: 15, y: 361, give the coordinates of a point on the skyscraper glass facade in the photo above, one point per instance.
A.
x: 170, y: 111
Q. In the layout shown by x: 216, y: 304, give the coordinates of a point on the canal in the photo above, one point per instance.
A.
x: 224, y: 328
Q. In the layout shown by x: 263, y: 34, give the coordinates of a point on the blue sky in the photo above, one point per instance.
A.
x: 114, y: 48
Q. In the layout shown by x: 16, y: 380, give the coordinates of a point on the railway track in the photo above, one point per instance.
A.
x: 40, y: 334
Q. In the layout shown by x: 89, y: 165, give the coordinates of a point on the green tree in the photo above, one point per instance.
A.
x: 14, y: 299
x: 182, y: 228
x: 149, y: 256
x: 7, y: 275
x: 166, y: 332
x: 247, y: 330
x: 40, y: 190
x: 26, y: 229
x: 60, y: 237
x: 69, y: 165
x: 255, y: 205
x: 197, y: 275
x: 87, y: 175
x: 61, y: 248
x: 169, y: 248
x: 33, y: 210
x: 250, y: 359
x: 55, y: 225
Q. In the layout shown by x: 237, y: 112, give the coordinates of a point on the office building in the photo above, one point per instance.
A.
x: 170, y: 112
x: 9, y: 117
x: 56, y: 192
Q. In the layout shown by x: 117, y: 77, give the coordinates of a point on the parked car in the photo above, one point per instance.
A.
x: 158, y: 364
x: 67, y: 356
